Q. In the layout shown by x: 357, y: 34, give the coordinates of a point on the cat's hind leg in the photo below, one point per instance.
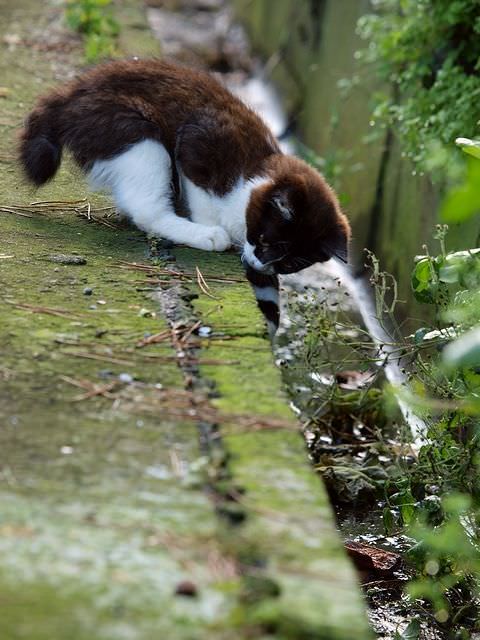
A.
x: 140, y: 181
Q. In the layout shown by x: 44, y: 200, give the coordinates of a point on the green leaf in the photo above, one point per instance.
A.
x: 463, y: 201
x: 424, y: 281
x: 460, y: 204
x: 449, y: 273
x: 406, y: 504
x: 472, y: 147
x: 464, y: 351
x: 423, y: 270
x: 412, y: 631
x: 388, y: 520
x: 457, y: 503
x: 420, y: 334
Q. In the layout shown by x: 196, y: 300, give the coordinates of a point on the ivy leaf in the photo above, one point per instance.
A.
x: 425, y: 282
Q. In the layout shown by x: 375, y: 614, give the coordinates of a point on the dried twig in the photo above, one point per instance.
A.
x: 91, y: 388
x: 80, y: 207
x: 156, y: 270
x: 154, y: 339
x: 185, y: 335
x: 39, y: 309
x: 14, y: 210
x: 97, y: 356
x: 203, y: 285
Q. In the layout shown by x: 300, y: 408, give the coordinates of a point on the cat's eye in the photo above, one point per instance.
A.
x: 262, y: 241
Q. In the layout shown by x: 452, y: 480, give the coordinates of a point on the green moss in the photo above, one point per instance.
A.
x: 248, y: 382
x: 44, y: 612
x: 289, y: 525
x: 97, y: 525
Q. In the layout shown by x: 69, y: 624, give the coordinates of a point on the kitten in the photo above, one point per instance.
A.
x: 155, y: 134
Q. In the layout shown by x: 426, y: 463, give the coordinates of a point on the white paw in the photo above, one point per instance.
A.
x: 213, y: 239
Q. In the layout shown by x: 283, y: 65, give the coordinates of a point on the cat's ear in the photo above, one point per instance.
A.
x: 281, y: 203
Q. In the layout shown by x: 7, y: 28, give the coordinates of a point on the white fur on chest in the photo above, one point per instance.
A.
x: 140, y: 180
x: 228, y: 211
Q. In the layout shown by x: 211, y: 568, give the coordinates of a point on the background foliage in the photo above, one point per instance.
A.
x: 429, y: 52
x: 95, y: 21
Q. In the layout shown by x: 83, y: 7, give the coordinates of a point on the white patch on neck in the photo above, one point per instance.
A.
x: 234, y: 210
x: 251, y: 259
x: 228, y: 211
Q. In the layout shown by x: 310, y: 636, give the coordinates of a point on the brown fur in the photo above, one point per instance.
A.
x: 318, y: 229
x: 117, y: 104
x: 210, y: 134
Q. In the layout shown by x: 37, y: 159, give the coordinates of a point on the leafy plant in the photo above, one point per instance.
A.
x: 463, y: 201
x: 433, y: 497
x: 94, y: 19
x: 447, y: 554
x: 427, y: 52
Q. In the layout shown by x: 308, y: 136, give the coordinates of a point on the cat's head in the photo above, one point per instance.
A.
x: 293, y: 220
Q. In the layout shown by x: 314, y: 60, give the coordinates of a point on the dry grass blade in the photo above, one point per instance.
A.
x: 154, y: 339
x: 190, y: 408
x: 82, y: 384
x: 98, y: 220
x: 186, y: 332
x: 97, y: 356
x: 185, y: 275
x: 18, y: 211
x: 91, y: 388
x: 47, y: 310
x: 152, y: 269
x: 55, y: 204
x: 79, y: 207
x: 176, y: 464
x: 203, y: 285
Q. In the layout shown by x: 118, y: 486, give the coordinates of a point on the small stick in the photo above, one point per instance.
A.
x: 15, y: 211
x: 203, y: 285
x: 46, y: 310
x: 185, y: 336
x: 157, y: 337
x: 95, y: 356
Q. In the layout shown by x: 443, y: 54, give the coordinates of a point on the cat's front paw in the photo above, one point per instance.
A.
x: 213, y: 239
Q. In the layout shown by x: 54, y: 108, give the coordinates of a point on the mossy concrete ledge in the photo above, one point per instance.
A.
x: 287, y: 535
x: 115, y: 523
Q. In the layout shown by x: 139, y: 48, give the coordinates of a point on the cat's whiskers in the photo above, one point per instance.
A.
x: 301, y: 262
x: 270, y: 262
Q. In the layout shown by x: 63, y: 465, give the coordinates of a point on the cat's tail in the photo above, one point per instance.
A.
x: 40, y: 148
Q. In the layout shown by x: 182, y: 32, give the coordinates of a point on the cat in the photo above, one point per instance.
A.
x: 160, y: 136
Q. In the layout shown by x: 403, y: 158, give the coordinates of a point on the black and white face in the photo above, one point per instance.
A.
x: 284, y: 238
x: 275, y: 257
